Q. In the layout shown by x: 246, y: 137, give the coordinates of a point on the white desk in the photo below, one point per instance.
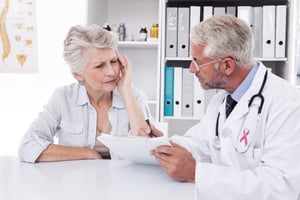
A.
x: 88, y: 180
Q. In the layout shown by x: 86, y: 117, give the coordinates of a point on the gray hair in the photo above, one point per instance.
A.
x: 225, y: 36
x: 80, y: 38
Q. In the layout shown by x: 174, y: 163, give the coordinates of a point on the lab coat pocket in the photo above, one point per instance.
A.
x: 253, y: 156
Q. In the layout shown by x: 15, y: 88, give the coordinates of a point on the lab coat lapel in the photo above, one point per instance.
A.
x: 234, y: 125
x: 242, y: 109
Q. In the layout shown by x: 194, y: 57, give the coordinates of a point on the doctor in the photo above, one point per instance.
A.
x: 252, y: 152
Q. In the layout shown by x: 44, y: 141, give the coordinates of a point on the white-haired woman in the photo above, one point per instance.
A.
x: 103, y: 101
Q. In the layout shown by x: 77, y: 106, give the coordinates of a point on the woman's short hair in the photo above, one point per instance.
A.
x: 79, y: 38
x: 225, y: 36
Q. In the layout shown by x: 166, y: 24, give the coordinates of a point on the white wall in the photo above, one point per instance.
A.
x: 23, y: 95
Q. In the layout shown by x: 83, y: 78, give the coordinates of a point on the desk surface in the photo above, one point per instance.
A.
x: 88, y: 180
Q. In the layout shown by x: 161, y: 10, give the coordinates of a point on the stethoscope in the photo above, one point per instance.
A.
x: 256, y: 96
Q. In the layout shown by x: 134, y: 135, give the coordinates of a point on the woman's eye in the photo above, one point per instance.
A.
x: 114, y: 61
x: 99, y: 66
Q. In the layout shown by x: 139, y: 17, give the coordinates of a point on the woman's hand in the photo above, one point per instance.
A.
x: 146, y: 130
x: 155, y: 132
x: 124, y: 84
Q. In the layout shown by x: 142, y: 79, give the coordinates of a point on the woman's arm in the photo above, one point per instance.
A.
x: 136, y: 117
x: 60, y: 153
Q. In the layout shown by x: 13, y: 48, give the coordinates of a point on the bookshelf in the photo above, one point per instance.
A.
x: 282, y: 66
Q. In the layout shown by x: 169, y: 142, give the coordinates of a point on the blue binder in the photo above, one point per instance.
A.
x: 169, y: 91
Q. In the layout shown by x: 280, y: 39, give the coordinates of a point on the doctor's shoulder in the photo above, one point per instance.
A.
x: 281, y: 98
x: 281, y: 89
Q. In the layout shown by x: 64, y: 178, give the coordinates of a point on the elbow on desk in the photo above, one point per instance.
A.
x: 30, y: 151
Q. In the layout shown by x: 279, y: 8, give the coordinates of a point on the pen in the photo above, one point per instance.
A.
x: 150, y: 134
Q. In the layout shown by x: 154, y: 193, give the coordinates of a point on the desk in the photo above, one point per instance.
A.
x: 88, y: 180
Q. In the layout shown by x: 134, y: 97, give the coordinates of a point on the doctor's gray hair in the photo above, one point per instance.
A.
x: 225, y: 36
x: 80, y: 38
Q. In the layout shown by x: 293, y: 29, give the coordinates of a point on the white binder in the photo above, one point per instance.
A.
x: 198, y: 103
x: 177, y: 92
x: 280, y: 36
x: 207, y: 12
x: 183, y: 30
x: 268, y: 29
x: 231, y: 10
x: 195, y: 16
x: 257, y: 51
x: 187, y: 92
x: 219, y: 10
x: 171, y: 32
x: 246, y: 13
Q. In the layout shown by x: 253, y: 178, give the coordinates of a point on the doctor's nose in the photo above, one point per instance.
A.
x: 193, y: 68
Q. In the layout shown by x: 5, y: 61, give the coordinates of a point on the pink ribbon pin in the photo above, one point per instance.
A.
x: 244, y: 137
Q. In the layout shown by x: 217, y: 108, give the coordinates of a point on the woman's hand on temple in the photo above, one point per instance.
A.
x: 124, y: 83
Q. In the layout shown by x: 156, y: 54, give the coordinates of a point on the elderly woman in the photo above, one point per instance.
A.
x: 103, y: 101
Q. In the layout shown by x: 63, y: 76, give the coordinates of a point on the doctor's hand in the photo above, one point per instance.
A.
x: 176, y: 161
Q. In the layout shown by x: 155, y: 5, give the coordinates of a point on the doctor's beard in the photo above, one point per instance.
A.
x: 219, y: 81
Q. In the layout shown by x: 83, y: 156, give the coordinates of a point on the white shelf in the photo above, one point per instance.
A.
x: 152, y: 102
x: 138, y: 44
x: 271, y: 59
x: 258, y: 59
x: 179, y: 58
x: 181, y: 118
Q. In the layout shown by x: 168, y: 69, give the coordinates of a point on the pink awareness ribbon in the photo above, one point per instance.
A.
x: 244, y: 137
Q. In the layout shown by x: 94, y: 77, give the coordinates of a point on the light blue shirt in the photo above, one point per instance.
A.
x: 70, y: 117
x: 244, y: 86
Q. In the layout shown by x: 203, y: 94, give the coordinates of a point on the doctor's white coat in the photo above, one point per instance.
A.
x: 267, y: 165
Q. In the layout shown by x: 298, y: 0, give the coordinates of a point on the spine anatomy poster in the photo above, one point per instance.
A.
x: 18, y: 38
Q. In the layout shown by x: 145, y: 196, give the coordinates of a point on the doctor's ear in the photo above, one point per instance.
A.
x: 228, y: 66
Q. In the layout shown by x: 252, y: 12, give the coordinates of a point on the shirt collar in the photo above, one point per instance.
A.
x: 244, y: 86
x: 117, y: 99
x: 82, y: 97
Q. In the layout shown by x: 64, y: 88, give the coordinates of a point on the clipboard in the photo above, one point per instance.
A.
x: 134, y: 149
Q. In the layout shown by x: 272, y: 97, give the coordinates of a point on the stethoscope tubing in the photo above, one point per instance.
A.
x: 257, y: 95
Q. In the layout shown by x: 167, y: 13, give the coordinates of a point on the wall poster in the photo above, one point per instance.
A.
x: 18, y: 37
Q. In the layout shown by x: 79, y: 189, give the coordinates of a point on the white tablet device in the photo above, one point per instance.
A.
x: 134, y: 149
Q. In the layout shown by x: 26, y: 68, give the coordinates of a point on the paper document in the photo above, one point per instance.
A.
x: 134, y: 149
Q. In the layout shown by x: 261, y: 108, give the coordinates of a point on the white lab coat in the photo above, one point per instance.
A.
x: 270, y: 168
